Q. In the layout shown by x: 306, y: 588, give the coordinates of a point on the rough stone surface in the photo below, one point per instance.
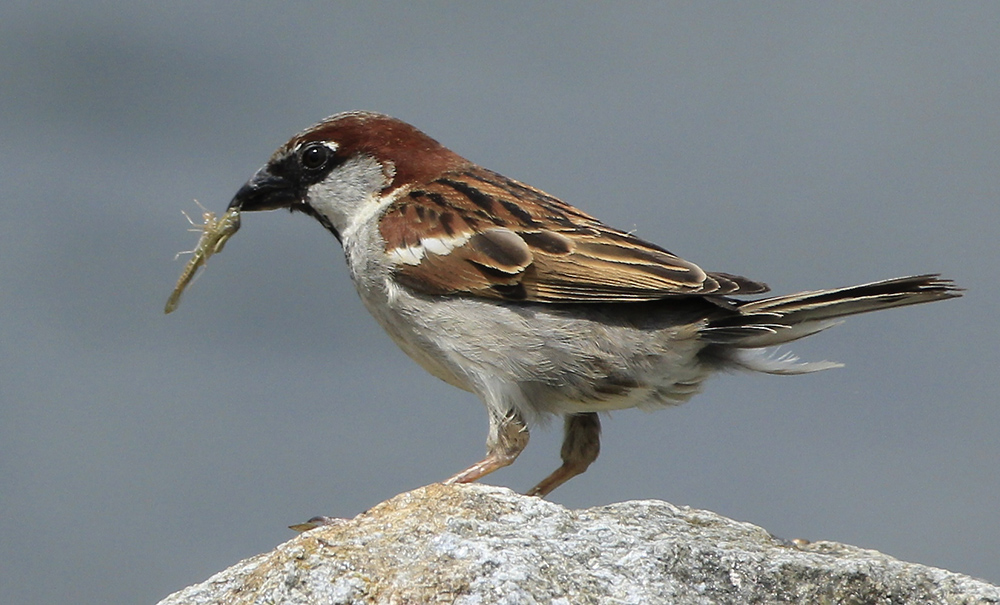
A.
x: 475, y: 544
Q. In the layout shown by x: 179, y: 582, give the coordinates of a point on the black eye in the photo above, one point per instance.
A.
x: 315, y: 156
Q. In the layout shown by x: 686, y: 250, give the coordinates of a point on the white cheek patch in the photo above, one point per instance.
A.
x: 440, y: 246
x: 347, y: 194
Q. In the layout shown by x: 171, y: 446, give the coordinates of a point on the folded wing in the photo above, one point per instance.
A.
x: 478, y: 233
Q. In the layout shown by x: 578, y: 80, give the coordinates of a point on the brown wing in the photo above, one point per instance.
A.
x: 477, y: 232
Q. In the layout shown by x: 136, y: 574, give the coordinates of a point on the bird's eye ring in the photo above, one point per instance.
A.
x: 315, y: 156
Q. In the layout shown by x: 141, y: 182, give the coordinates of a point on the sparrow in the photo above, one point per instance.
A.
x: 538, y: 308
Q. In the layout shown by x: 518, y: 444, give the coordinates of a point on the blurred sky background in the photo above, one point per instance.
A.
x: 807, y: 145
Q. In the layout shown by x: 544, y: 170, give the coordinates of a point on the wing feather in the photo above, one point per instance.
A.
x: 478, y: 233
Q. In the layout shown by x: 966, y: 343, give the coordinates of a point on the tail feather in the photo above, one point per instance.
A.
x: 826, y: 304
x: 776, y: 320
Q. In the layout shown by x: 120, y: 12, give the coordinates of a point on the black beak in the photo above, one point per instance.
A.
x: 265, y: 191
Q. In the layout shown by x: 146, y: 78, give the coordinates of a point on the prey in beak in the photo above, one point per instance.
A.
x: 282, y: 183
x: 268, y: 189
x: 215, y: 232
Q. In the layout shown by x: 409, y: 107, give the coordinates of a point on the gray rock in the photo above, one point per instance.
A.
x: 475, y: 544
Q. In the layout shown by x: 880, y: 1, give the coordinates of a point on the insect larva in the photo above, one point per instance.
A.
x: 214, y: 235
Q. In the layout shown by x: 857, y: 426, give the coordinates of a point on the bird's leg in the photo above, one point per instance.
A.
x: 507, y: 439
x: 581, y: 445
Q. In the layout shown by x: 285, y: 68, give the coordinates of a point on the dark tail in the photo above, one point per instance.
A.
x: 773, y: 321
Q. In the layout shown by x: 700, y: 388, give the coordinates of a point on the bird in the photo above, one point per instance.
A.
x: 536, y: 307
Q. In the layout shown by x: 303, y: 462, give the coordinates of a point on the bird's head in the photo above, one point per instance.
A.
x: 339, y: 170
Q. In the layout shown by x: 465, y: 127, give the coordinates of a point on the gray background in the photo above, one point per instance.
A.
x: 808, y: 145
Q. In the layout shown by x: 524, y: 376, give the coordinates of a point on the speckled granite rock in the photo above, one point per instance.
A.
x: 476, y: 544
